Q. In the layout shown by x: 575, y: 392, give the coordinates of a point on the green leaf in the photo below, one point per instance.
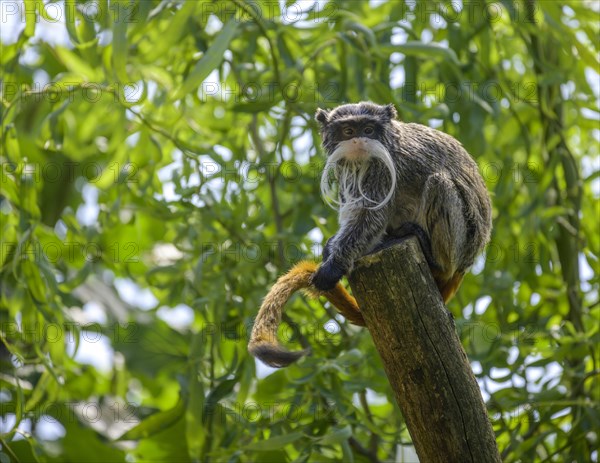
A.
x: 31, y: 6
x: 75, y: 64
x: 176, y: 29
x: 83, y: 444
x: 71, y: 20
x: 38, y: 392
x: 211, y: 59
x: 166, y: 445
x: 274, y: 443
x: 119, y: 44
x: 222, y: 390
x: 336, y: 436
x: 195, y: 429
x: 34, y: 280
x: 155, y: 423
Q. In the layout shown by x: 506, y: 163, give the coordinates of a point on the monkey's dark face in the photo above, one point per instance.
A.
x: 365, y: 121
x: 362, y: 130
x: 356, y: 138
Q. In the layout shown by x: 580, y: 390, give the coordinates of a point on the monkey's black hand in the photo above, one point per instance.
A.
x: 327, y: 275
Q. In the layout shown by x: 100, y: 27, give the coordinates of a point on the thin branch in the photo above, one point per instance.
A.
x: 259, y: 22
x: 358, y: 448
x: 374, y: 441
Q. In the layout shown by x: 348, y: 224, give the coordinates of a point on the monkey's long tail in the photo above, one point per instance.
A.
x: 263, y: 339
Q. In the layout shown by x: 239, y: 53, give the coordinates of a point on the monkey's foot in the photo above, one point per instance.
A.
x: 388, y: 242
x: 405, y: 231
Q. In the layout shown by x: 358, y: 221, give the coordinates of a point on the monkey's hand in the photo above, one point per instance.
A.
x: 327, y: 275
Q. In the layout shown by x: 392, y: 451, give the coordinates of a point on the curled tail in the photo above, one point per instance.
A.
x: 263, y: 339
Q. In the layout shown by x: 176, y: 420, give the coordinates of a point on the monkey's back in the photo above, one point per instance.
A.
x: 420, y: 152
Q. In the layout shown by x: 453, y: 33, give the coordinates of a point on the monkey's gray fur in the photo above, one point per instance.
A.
x: 395, y: 179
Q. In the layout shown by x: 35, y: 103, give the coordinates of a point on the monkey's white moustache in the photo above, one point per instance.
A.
x: 358, y: 154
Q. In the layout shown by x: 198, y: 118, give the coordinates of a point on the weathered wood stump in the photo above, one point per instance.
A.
x: 423, y: 357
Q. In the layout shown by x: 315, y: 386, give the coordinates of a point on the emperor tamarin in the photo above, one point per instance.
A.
x: 391, y: 179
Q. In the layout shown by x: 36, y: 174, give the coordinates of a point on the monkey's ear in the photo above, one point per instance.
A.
x: 322, y: 116
x: 390, y: 111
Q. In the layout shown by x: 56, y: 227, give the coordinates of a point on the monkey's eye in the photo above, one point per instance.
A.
x: 348, y: 131
x: 368, y: 130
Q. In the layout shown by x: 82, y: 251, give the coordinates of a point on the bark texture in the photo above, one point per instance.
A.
x: 423, y: 357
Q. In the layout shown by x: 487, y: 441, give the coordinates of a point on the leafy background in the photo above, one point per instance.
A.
x: 160, y: 169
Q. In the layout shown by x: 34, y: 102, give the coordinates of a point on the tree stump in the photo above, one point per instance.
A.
x: 423, y: 357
